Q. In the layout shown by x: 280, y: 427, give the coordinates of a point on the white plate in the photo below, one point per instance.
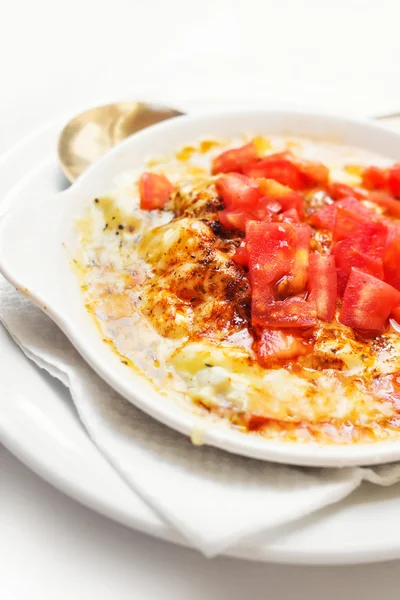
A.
x: 39, y: 425
x: 38, y: 238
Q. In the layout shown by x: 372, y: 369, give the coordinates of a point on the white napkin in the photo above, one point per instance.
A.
x: 213, y: 498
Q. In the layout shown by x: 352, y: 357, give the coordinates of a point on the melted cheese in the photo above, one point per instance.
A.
x: 168, y: 297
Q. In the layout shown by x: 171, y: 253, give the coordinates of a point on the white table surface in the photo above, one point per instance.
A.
x: 59, y: 56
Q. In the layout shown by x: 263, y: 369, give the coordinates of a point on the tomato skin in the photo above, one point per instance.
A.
x: 367, y: 302
x: 390, y: 205
x: 234, y: 160
x: 278, y: 168
x: 237, y: 191
x: 271, y: 249
x: 278, y: 262
x: 233, y: 219
x: 322, y: 282
x: 237, y: 219
x: 326, y: 217
x: 391, y: 259
x: 349, y: 253
x: 393, y: 180
x: 356, y: 220
x: 274, y: 345
x: 241, y: 256
x: 154, y: 191
x: 338, y: 191
x: 374, y: 178
x: 378, y: 178
x: 287, y: 198
x: 315, y: 173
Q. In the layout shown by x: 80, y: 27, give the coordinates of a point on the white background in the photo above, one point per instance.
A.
x: 58, y: 56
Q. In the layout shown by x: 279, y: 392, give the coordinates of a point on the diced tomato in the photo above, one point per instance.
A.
x: 338, y: 191
x: 233, y: 161
x: 275, y: 345
x: 154, y: 191
x: 391, y: 259
x: 246, y: 200
x: 325, y: 218
x: 233, y: 219
x: 237, y: 191
x: 286, y: 197
x: 322, y: 282
x: 241, y: 256
x: 390, y: 205
x: 271, y: 248
x: 280, y: 169
x: 237, y: 219
x: 393, y: 181
x: 367, y: 302
x: 295, y: 172
x: 356, y: 219
x: 278, y: 262
x: 351, y: 253
x: 315, y: 172
x: 379, y: 178
x: 374, y: 178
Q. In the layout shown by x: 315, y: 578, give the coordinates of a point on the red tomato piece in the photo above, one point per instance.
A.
x: 154, y: 191
x: 233, y: 219
x: 353, y: 220
x: 391, y: 259
x: 367, y: 302
x: 315, y: 173
x: 322, y: 282
x: 271, y: 249
x: 286, y: 197
x: 390, y: 205
x: 233, y: 161
x: 278, y: 261
x: 349, y: 253
x: 241, y: 256
x: 393, y: 181
x: 325, y: 218
x: 237, y: 219
x: 374, y: 178
x: 237, y: 191
x: 338, y: 191
x: 280, y: 169
x: 275, y: 345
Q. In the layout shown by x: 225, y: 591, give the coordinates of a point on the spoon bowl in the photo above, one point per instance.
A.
x: 90, y: 134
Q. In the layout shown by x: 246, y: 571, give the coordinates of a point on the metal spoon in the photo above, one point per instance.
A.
x: 87, y: 136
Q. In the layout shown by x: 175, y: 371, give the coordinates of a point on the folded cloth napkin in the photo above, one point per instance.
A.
x: 211, y: 497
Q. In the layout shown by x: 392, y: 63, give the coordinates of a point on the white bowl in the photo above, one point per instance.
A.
x: 38, y: 238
